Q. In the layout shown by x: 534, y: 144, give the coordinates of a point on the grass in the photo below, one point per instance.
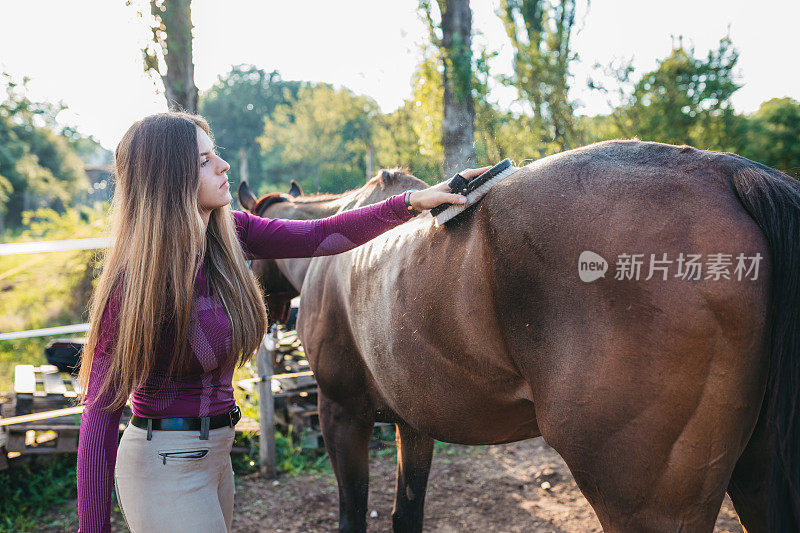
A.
x: 49, y: 293
x: 47, y: 289
x: 29, y: 490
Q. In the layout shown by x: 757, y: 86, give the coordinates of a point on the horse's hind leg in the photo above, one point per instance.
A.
x: 347, y: 433
x: 749, y: 484
x: 414, y: 453
x: 658, y: 454
x: 636, y: 484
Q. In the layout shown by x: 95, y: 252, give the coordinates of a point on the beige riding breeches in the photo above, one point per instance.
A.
x: 175, y: 482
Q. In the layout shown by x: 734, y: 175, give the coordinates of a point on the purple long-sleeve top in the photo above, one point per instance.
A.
x: 207, y: 390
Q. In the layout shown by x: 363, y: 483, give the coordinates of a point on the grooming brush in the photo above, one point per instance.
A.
x: 474, y: 190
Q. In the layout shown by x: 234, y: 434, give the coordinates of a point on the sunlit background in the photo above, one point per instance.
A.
x: 87, y: 53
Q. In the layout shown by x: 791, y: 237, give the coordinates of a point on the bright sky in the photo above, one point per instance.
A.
x: 86, y: 53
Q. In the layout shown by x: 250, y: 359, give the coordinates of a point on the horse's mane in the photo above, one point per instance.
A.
x: 393, y: 175
x: 324, y: 197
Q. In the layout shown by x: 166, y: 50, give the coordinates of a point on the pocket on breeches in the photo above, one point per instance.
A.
x: 183, y: 456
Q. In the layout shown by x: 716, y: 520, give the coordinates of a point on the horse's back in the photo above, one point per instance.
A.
x: 413, y: 311
x: 632, y: 204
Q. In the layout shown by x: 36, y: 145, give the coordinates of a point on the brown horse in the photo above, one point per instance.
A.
x: 661, y: 391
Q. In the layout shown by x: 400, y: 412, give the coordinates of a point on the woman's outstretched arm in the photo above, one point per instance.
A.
x: 274, y: 238
x: 265, y: 238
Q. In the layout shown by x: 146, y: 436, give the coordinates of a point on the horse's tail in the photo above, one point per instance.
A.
x: 773, y: 200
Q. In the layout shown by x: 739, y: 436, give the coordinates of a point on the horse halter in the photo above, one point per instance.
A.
x: 267, y: 201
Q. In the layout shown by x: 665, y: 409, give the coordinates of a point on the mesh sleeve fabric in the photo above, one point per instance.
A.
x: 274, y: 238
x: 99, y: 434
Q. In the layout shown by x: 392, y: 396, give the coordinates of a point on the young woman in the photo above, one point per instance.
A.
x: 174, y: 311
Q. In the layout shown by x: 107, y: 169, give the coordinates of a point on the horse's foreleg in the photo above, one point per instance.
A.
x: 347, y: 433
x: 414, y: 453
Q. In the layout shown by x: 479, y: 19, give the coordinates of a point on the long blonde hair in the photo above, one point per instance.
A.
x: 158, y: 239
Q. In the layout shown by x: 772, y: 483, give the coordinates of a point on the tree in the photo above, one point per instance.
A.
x: 540, y: 33
x: 684, y: 101
x: 773, y: 133
x: 324, y: 134
x: 236, y: 107
x: 38, y: 167
x: 169, y: 55
x: 454, y: 42
x: 412, y: 135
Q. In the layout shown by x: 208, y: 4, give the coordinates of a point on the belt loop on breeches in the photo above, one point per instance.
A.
x: 205, y: 424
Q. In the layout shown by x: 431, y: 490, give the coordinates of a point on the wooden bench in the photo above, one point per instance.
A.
x: 43, y: 388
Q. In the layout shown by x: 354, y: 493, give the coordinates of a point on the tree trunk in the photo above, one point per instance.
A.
x: 243, y: 165
x: 458, y: 122
x: 181, y: 91
x: 368, y: 160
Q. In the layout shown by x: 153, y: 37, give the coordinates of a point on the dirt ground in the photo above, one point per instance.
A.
x: 501, y: 489
x: 492, y: 488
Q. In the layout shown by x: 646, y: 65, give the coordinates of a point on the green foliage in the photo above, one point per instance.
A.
x: 411, y: 136
x: 686, y: 100
x: 500, y: 134
x: 324, y: 134
x: 30, y: 490
x: 292, y: 458
x: 88, y: 149
x: 38, y: 167
x: 45, y: 290
x: 19, y: 352
x: 236, y: 107
x: 773, y: 135
x: 245, y: 463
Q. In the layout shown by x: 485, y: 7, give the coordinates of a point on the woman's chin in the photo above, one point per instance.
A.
x: 226, y: 198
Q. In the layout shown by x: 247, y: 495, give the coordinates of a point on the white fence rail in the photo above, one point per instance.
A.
x: 67, y: 245
x: 16, y: 248
x: 44, y: 332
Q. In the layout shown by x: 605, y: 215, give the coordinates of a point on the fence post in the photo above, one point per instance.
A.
x: 266, y: 403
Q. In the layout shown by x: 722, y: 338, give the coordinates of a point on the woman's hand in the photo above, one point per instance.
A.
x: 440, y: 194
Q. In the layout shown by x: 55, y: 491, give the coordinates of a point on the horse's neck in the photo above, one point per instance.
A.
x: 294, y: 270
